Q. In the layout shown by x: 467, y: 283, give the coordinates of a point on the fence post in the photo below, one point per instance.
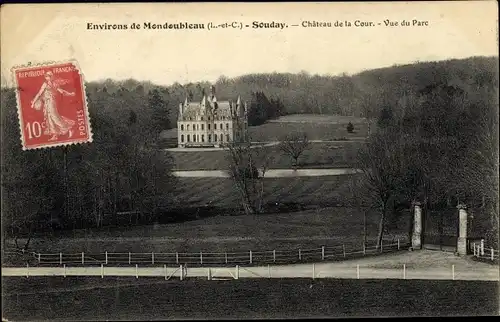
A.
x: 364, y: 249
x: 453, y: 272
x: 83, y: 259
x: 201, y: 258
x: 152, y: 258
x: 474, y: 248
x: 314, y: 271
x: 136, y: 271
x: 165, y: 270
x: 482, y: 247
x: 250, y: 257
x: 208, y: 274
x: 322, y: 252
x: 106, y: 258
x: 177, y: 258
x: 404, y: 271
x: 492, y: 254
x: 357, y: 271
x: 237, y: 272
x: 382, y: 246
x: 269, y: 270
x: 398, y: 243
x: 129, y: 258
x: 300, y: 255
x: 181, y: 273
x: 343, y: 249
x: 64, y: 266
x: 27, y: 270
x: 274, y: 256
x: 60, y: 258
x: 102, y: 271
x: 38, y: 258
x: 225, y: 254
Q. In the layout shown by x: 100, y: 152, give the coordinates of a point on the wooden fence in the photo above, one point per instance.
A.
x: 250, y: 258
x: 483, y: 252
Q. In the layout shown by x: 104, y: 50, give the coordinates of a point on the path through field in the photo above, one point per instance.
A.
x: 271, y: 173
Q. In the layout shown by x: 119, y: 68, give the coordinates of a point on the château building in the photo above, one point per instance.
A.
x: 211, y: 123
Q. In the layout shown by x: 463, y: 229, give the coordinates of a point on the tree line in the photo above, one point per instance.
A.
x: 439, y: 147
x: 89, y: 185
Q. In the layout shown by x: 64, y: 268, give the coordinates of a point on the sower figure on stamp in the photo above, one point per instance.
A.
x: 55, y: 124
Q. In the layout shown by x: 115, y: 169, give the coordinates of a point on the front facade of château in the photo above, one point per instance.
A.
x: 210, y: 123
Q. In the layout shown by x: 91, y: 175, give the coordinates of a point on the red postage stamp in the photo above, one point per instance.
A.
x: 52, y: 105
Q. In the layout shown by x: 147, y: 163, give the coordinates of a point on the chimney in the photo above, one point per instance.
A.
x: 180, y: 110
x: 212, y: 91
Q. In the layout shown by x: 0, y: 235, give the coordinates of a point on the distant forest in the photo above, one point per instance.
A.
x: 364, y: 95
x: 123, y: 171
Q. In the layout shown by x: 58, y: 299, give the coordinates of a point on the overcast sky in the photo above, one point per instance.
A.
x: 39, y: 33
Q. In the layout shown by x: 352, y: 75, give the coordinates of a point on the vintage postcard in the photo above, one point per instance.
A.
x: 249, y: 160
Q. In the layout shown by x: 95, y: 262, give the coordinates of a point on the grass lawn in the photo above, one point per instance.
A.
x: 275, y: 131
x: 306, y: 229
x: 75, y: 298
x: 222, y: 192
x: 321, y: 118
x: 318, y: 155
x: 317, y: 127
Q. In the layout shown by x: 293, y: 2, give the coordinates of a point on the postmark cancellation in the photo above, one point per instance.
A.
x: 51, y: 105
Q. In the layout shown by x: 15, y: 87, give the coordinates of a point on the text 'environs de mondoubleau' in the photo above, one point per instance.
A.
x: 145, y: 25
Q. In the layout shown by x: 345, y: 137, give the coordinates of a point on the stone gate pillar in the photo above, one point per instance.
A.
x: 462, y: 230
x: 416, y: 236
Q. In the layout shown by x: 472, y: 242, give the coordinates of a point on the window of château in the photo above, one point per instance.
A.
x: 188, y: 138
x: 203, y: 127
x: 221, y: 138
x: 209, y: 138
x: 227, y: 126
x: 215, y: 137
x: 182, y: 127
x: 202, y: 138
x: 182, y: 138
x: 227, y: 137
x: 209, y: 127
x: 215, y: 126
x: 187, y: 127
x: 202, y: 118
x: 194, y: 138
x: 194, y: 127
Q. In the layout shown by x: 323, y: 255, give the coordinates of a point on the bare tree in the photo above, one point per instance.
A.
x: 294, y: 145
x: 380, y: 169
x: 247, y: 167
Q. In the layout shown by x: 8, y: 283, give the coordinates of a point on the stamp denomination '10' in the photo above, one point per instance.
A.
x: 51, y: 105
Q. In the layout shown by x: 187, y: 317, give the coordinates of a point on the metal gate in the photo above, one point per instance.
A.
x: 440, y: 229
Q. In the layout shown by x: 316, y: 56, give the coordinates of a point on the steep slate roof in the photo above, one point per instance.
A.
x: 223, y: 107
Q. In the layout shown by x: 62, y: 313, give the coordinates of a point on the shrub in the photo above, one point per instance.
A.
x: 350, y: 127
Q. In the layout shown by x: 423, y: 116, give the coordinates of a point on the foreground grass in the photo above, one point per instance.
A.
x: 149, y: 299
x: 305, y: 229
x: 222, y: 191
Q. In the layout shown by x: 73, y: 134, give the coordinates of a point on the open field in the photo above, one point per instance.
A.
x: 275, y: 131
x: 222, y: 192
x: 320, y: 118
x: 317, y: 127
x: 76, y: 298
x: 305, y: 229
x: 318, y: 155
